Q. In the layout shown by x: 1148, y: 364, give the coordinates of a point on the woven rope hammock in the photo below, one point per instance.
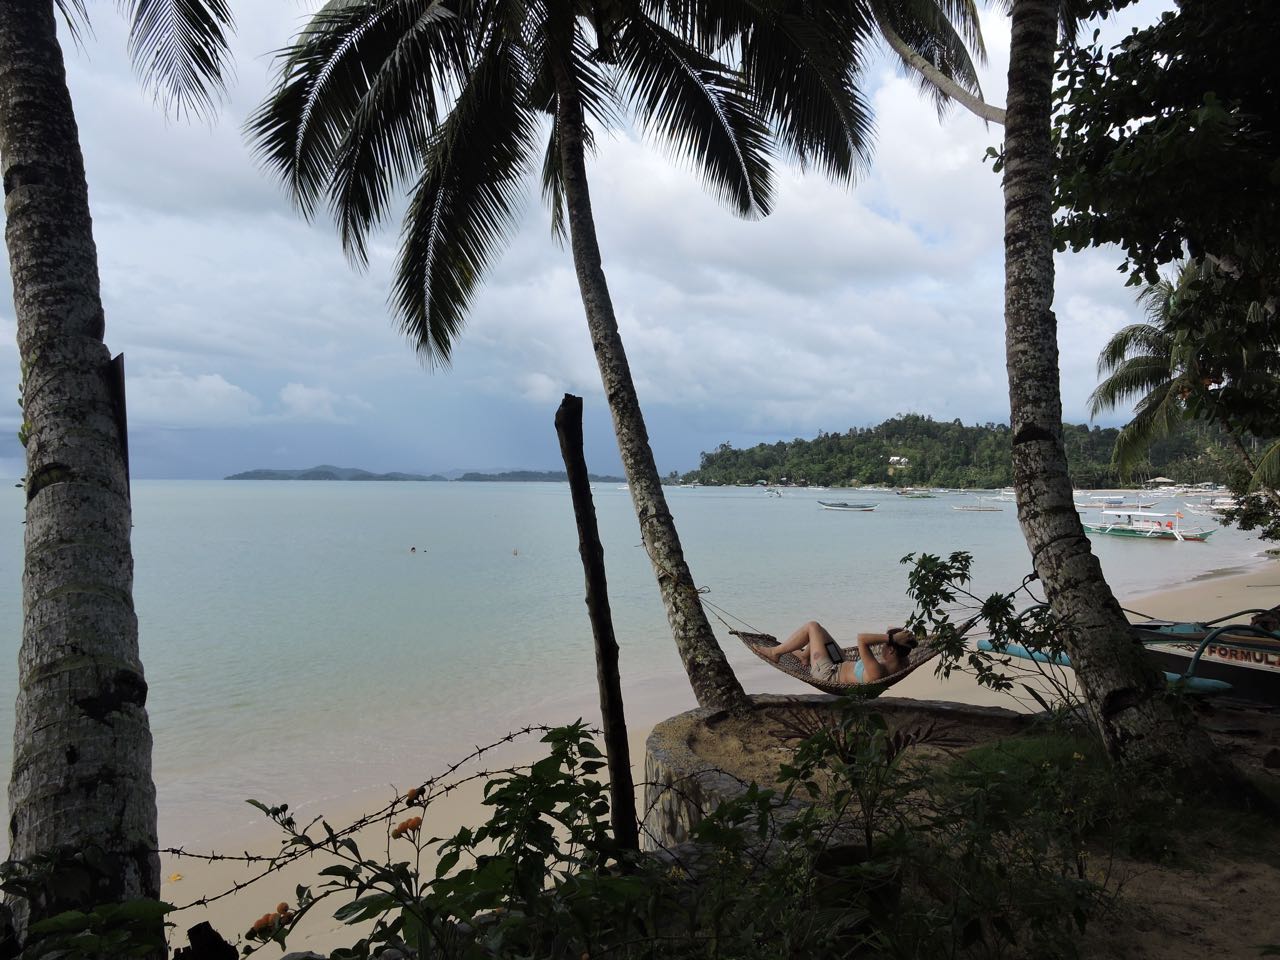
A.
x: 758, y: 643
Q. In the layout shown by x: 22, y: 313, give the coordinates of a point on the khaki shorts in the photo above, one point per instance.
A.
x: 822, y: 667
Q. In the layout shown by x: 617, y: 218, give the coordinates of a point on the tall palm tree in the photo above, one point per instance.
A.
x: 454, y: 95
x: 1125, y: 696
x: 82, y: 745
x: 1180, y: 362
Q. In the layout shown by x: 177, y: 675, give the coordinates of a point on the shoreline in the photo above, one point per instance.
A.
x: 1203, y: 597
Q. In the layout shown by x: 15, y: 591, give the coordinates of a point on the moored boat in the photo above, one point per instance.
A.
x: 1146, y: 525
x: 842, y: 505
x: 1246, y: 657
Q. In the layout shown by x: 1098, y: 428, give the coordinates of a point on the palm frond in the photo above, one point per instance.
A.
x: 1268, y: 472
x: 76, y: 16
x: 355, y: 99
x: 1137, y: 339
x: 1156, y: 417
x: 181, y: 49
x: 464, y: 205
x: 553, y: 185
x: 701, y: 109
x: 800, y: 68
x: 1134, y: 377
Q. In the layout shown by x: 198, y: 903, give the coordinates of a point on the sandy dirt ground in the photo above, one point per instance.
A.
x: 1196, y: 912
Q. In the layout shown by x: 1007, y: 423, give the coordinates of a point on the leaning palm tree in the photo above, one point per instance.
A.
x: 82, y: 745
x: 1126, y: 698
x: 458, y: 98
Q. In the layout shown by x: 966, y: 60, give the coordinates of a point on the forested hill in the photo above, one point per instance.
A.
x: 948, y: 454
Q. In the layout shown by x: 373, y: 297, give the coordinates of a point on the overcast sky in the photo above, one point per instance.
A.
x: 250, y: 342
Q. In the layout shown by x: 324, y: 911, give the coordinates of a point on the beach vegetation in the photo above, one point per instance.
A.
x: 1186, y: 103
x: 874, y: 838
x: 81, y: 781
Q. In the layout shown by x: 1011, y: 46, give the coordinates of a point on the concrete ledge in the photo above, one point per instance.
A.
x: 681, y: 787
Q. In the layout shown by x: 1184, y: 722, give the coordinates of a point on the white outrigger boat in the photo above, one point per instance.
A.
x: 1146, y: 525
x: 844, y: 505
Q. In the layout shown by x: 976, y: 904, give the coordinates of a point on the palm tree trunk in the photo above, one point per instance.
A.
x: 975, y: 105
x: 713, y: 681
x: 1124, y: 693
x: 82, y: 745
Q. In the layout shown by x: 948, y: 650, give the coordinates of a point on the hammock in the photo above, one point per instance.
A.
x: 789, y: 664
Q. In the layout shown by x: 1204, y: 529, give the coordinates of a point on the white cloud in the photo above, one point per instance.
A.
x: 170, y: 398
x: 317, y: 404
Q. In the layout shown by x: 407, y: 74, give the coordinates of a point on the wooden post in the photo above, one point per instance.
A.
x: 622, y: 797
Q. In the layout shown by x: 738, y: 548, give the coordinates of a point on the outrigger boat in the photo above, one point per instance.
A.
x: 980, y: 507
x: 1237, y: 660
x: 842, y: 505
x: 1146, y: 525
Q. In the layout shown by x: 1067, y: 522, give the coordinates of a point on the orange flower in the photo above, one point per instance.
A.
x: 414, y: 794
x: 282, y: 908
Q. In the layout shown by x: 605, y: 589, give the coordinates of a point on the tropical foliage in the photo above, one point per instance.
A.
x: 1196, y: 358
x: 950, y: 454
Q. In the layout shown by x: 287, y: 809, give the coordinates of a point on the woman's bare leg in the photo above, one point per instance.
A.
x: 801, y: 643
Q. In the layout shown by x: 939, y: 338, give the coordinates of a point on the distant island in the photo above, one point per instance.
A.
x: 536, y: 476
x: 328, y: 472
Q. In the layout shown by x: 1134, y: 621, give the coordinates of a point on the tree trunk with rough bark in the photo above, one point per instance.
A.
x: 714, y: 683
x: 1125, y: 694
x: 82, y: 745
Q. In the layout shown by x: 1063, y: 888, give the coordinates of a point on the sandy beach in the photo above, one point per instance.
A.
x: 188, y: 880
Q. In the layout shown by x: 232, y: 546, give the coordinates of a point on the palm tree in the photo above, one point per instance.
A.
x: 1126, y: 700
x: 1178, y: 365
x: 358, y: 111
x: 82, y: 745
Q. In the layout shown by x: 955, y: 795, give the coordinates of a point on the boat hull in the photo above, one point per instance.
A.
x: 1253, y: 674
x: 1152, y: 533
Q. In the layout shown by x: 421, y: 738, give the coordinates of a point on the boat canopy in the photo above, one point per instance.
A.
x: 1138, y: 513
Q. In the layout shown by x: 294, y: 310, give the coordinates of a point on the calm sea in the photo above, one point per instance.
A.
x: 296, y: 649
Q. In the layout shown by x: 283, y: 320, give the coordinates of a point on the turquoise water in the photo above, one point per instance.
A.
x: 295, y: 648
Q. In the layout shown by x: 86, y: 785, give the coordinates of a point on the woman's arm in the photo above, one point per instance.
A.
x: 872, y: 669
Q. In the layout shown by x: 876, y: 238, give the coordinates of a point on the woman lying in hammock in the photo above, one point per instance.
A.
x: 812, y: 644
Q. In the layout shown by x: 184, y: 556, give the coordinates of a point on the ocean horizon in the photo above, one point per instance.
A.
x: 296, y: 648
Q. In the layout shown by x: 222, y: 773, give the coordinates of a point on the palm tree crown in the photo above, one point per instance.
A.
x: 1195, y: 357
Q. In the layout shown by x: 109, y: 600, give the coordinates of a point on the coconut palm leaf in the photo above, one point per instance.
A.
x: 1268, y: 473
x: 180, y: 47
x: 1134, y: 377
x: 700, y: 108
x: 1157, y: 416
x: 801, y: 70
x: 356, y: 98
x: 465, y: 203
x: 1137, y: 339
